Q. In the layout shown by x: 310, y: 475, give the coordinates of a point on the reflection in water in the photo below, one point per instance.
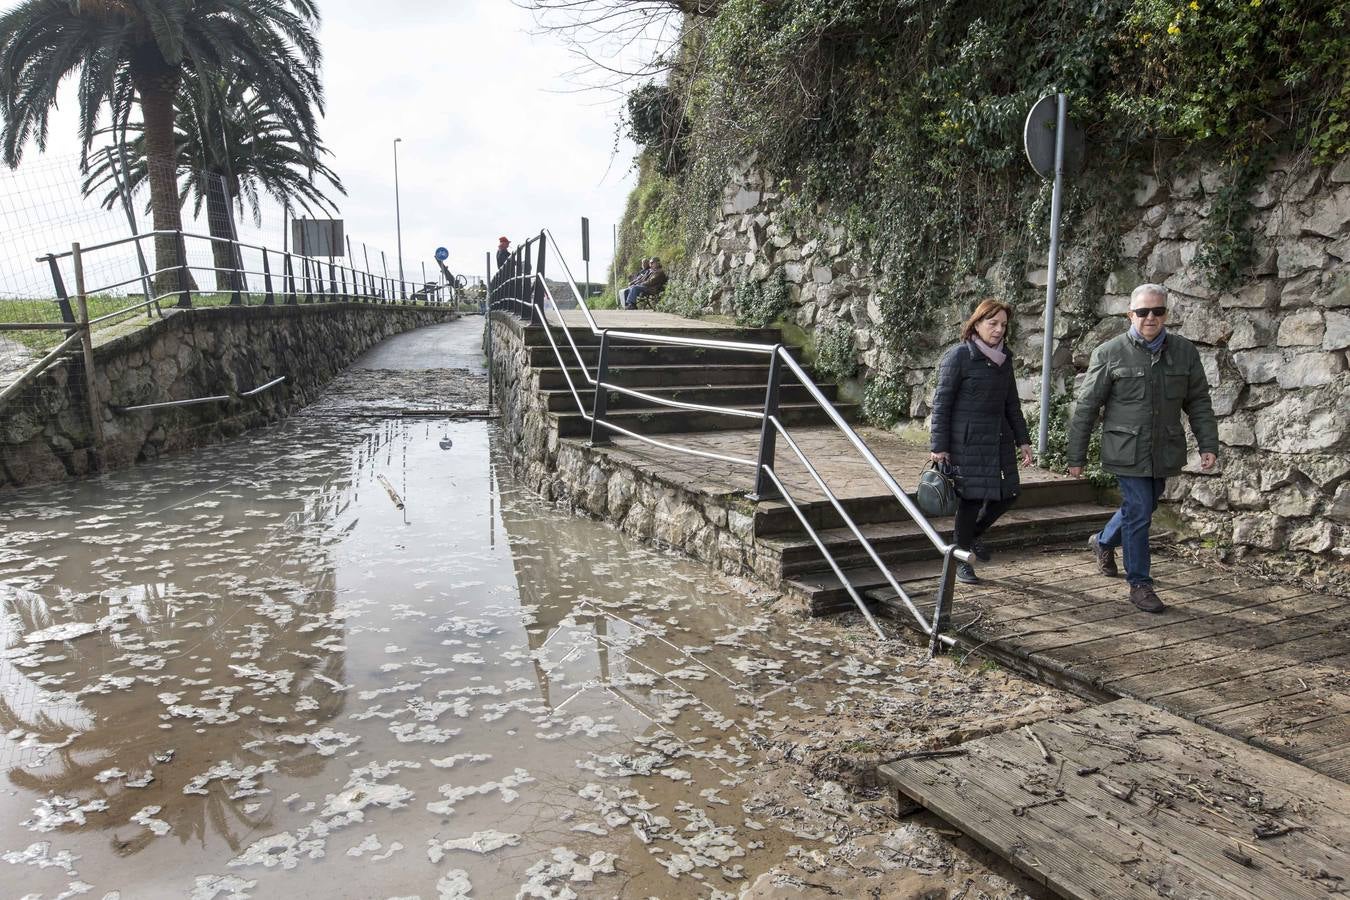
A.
x: 249, y: 672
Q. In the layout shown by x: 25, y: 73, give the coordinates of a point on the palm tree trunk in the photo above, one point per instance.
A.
x: 218, y: 212
x: 156, y: 84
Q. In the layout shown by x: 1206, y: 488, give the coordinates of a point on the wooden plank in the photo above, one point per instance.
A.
x: 1240, y: 689
x: 1172, y: 833
x: 1334, y: 762
x: 1205, y: 619
x: 1119, y: 618
x: 1089, y: 595
x: 1154, y: 682
x: 1029, y: 843
x: 1308, y: 736
x: 1209, y: 767
x: 1250, y: 638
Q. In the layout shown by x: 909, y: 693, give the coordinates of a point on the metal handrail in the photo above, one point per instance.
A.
x: 326, y: 282
x: 777, y: 354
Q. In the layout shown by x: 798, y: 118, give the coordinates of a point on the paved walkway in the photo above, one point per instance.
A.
x: 457, y: 344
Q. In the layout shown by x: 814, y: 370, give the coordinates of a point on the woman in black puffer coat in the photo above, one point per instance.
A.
x: 976, y: 423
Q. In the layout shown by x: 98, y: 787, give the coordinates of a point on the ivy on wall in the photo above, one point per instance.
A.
x: 904, y: 120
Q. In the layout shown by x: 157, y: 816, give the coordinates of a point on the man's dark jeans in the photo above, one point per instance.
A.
x: 1128, y: 528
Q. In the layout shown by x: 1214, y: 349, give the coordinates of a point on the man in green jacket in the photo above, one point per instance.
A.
x: 1143, y: 379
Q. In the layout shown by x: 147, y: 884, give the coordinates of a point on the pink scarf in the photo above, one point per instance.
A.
x: 996, y: 355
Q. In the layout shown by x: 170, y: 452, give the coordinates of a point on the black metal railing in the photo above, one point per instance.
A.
x: 518, y: 286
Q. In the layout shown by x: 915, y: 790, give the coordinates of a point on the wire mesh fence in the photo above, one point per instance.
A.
x: 236, y: 246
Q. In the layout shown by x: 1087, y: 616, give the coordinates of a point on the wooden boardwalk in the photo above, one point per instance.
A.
x: 1125, y: 801
x: 1264, y: 662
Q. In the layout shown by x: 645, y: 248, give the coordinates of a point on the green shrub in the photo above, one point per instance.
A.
x: 836, y: 355
x: 886, y: 399
x: 758, y: 303
x: 682, y: 297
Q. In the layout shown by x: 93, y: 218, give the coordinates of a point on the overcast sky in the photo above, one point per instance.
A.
x: 495, y: 139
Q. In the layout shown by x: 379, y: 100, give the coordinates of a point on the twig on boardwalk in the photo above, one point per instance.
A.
x: 1045, y: 754
x: 1022, y: 810
x: 1263, y: 832
x: 1126, y: 795
x: 1240, y: 858
x: 927, y: 754
x: 1088, y: 770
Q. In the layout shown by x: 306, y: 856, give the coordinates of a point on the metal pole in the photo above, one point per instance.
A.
x: 614, y: 262
x: 365, y: 251
x: 184, y: 273
x: 600, y: 403
x: 398, y: 221
x: 1052, y: 276
x: 86, y: 340
x: 540, y: 288
x: 487, y: 316
x: 130, y: 210
x: 269, y: 298
x: 62, y: 301
x: 765, y: 489
x: 388, y: 288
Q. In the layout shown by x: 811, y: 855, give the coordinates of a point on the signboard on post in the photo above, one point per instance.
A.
x: 1054, y: 145
x: 318, y: 237
x: 585, y: 239
x: 442, y: 254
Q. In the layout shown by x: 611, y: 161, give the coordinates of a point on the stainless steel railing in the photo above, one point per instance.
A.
x: 520, y: 287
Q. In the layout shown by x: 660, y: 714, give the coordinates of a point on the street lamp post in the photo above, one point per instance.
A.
x: 398, y: 220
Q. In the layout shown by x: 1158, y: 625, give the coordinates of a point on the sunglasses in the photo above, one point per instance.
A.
x: 1147, y: 311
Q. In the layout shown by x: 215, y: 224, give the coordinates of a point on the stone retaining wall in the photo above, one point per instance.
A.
x: 1277, y: 349
x: 715, y: 527
x: 45, y: 433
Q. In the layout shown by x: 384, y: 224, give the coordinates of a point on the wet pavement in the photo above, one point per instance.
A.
x: 350, y: 657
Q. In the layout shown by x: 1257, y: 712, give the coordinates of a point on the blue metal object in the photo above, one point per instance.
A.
x: 442, y: 254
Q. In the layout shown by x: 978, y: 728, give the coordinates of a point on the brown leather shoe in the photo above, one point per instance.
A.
x: 1144, y: 597
x: 1105, y: 556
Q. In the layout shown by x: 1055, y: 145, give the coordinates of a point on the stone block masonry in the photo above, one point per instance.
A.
x: 44, y: 431
x: 1276, y: 348
x: 700, y: 519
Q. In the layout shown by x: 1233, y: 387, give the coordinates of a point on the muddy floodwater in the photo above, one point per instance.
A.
x: 351, y: 658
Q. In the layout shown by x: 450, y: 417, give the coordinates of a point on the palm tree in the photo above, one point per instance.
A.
x: 228, y: 138
x: 140, y: 50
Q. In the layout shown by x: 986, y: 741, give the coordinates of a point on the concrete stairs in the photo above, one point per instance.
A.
x: 707, y: 376
x: 1047, y: 512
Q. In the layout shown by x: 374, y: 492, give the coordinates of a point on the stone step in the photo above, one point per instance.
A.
x: 899, y: 542
x: 823, y: 593
x: 739, y: 396
x: 655, y: 355
x: 642, y: 377
x: 673, y: 421
x: 583, y: 336
x: 773, y: 518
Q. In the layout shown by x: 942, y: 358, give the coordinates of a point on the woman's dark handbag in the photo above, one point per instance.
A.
x: 936, y: 494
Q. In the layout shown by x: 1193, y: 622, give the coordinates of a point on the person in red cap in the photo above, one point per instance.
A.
x: 503, y: 254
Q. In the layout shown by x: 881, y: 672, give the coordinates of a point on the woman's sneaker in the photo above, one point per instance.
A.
x: 965, y: 573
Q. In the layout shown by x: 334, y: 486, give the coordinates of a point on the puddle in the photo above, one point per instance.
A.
x: 354, y: 658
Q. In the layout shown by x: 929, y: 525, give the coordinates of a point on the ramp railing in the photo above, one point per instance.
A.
x: 519, y: 287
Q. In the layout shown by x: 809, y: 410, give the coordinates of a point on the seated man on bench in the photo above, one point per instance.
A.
x: 649, y: 287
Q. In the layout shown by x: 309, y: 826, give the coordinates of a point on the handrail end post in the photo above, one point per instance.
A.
x: 765, y: 489
x: 942, y: 609
x: 600, y: 405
